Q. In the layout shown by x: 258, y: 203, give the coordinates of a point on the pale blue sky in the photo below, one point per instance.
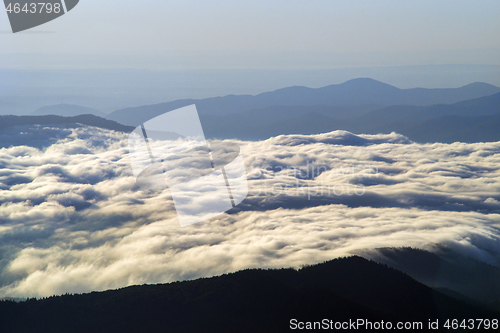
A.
x: 281, y: 34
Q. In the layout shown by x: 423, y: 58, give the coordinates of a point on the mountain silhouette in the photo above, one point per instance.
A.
x: 448, y: 271
x: 67, y: 110
x: 354, y: 93
x: 86, y: 119
x: 247, y: 301
x: 398, y: 118
x: 473, y: 120
x: 449, y: 129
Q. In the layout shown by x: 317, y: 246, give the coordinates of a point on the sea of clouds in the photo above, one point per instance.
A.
x: 73, y: 220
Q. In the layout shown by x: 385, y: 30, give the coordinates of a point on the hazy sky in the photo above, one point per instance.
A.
x: 289, y: 34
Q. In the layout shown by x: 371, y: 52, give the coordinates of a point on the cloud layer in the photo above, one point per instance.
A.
x: 73, y: 220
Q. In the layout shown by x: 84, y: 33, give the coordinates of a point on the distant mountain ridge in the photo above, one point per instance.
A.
x: 449, y: 129
x: 353, y: 93
x: 246, y: 301
x: 86, y: 119
x: 397, y: 118
x: 67, y: 110
x: 475, y: 120
x: 472, y: 120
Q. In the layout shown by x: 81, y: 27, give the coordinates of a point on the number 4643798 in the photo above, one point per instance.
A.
x: 34, y: 8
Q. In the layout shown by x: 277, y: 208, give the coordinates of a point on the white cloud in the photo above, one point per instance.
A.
x: 72, y: 219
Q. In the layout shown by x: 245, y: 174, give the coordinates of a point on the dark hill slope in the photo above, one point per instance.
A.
x: 246, y: 301
x: 446, y: 270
